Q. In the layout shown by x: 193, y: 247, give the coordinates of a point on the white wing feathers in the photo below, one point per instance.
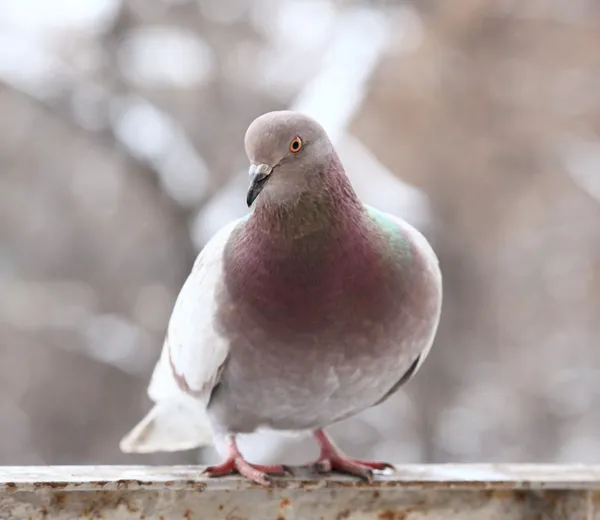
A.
x: 178, y: 420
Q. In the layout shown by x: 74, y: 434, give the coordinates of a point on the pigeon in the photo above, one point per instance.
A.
x: 306, y: 311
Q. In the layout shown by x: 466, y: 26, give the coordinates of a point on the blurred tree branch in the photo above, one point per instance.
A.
x: 107, y: 139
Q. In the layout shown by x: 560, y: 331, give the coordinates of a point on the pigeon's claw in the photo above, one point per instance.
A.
x: 332, y: 459
x: 376, y: 465
x: 236, y: 463
x: 359, y: 468
x: 256, y: 472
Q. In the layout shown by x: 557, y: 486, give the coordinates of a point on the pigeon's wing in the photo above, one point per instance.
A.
x: 191, y: 361
x: 433, y: 266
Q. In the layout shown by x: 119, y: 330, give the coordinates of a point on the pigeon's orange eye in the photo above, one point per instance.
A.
x: 296, y: 145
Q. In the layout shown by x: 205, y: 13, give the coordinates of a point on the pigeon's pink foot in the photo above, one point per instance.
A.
x: 235, y: 463
x: 332, y: 459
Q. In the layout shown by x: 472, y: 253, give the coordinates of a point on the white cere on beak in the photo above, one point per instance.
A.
x: 257, y: 169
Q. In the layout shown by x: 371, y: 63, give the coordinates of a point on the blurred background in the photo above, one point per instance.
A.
x: 121, y: 152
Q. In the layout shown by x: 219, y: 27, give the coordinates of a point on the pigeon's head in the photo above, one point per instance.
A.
x: 287, y: 152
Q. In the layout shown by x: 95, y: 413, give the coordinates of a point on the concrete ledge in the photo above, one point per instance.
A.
x: 478, y: 492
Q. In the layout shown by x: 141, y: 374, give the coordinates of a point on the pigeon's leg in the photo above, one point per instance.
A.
x: 236, y: 463
x: 332, y: 459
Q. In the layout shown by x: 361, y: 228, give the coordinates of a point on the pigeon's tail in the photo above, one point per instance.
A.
x: 168, y: 427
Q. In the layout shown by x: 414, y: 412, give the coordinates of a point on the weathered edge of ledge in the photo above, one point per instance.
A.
x: 181, y: 478
x: 415, y: 492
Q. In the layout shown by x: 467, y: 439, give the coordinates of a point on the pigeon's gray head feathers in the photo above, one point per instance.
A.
x: 285, y: 149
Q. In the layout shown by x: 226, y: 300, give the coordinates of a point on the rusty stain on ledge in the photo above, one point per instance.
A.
x: 413, y: 492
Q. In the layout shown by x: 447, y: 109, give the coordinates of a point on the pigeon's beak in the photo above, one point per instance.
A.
x: 259, y: 173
